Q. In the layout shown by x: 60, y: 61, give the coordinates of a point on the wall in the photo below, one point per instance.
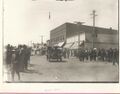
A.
x: 72, y: 30
x: 101, y: 45
x: 102, y: 41
x: 75, y: 38
x: 58, y: 34
x: 69, y: 32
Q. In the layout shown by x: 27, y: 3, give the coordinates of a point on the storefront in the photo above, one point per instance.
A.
x: 75, y: 37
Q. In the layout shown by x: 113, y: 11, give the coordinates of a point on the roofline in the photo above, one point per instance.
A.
x: 81, y: 25
x: 91, y: 26
x: 57, y: 27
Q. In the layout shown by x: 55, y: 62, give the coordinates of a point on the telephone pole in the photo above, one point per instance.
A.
x: 93, y: 32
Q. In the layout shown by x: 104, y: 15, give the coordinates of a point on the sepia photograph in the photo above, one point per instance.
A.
x: 60, y: 41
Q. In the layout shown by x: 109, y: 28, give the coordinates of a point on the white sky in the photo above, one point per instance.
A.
x: 27, y: 20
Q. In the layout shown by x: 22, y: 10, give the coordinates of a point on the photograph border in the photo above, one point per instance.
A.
x: 6, y: 86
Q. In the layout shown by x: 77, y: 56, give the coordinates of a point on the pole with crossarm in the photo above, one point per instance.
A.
x: 93, y: 32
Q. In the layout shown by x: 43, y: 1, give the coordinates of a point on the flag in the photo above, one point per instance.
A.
x: 49, y: 15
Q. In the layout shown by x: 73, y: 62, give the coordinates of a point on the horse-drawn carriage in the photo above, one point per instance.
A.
x: 54, y: 53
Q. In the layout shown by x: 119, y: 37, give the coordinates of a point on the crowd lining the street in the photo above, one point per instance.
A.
x: 109, y: 55
x: 17, y: 58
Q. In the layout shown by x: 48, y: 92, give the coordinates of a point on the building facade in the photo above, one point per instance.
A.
x: 74, y: 36
x: 58, y: 35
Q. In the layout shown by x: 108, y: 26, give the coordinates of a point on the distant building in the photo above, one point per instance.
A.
x: 74, y: 36
x: 38, y: 48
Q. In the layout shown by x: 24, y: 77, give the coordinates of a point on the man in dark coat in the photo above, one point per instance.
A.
x: 115, y: 56
x: 94, y: 53
x: 8, y: 54
x: 99, y: 54
x: 81, y: 54
x: 15, y: 68
x: 103, y: 54
x: 27, y: 57
x: 91, y: 54
x: 21, y: 60
x: 110, y: 55
x: 86, y: 54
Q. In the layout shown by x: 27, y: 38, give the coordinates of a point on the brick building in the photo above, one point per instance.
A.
x: 73, y: 35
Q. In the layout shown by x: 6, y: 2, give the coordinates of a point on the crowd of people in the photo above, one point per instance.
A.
x: 93, y: 54
x: 109, y: 55
x: 17, y: 59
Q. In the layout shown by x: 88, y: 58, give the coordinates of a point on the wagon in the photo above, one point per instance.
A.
x: 54, y: 53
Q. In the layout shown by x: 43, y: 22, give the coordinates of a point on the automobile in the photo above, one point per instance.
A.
x: 54, y: 53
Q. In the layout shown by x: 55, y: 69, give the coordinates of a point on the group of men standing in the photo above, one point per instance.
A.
x: 110, y: 55
x: 17, y: 59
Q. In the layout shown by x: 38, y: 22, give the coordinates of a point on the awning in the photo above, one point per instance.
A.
x: 68, y: 45
x: 61, y: 44
x: 75, y: 45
